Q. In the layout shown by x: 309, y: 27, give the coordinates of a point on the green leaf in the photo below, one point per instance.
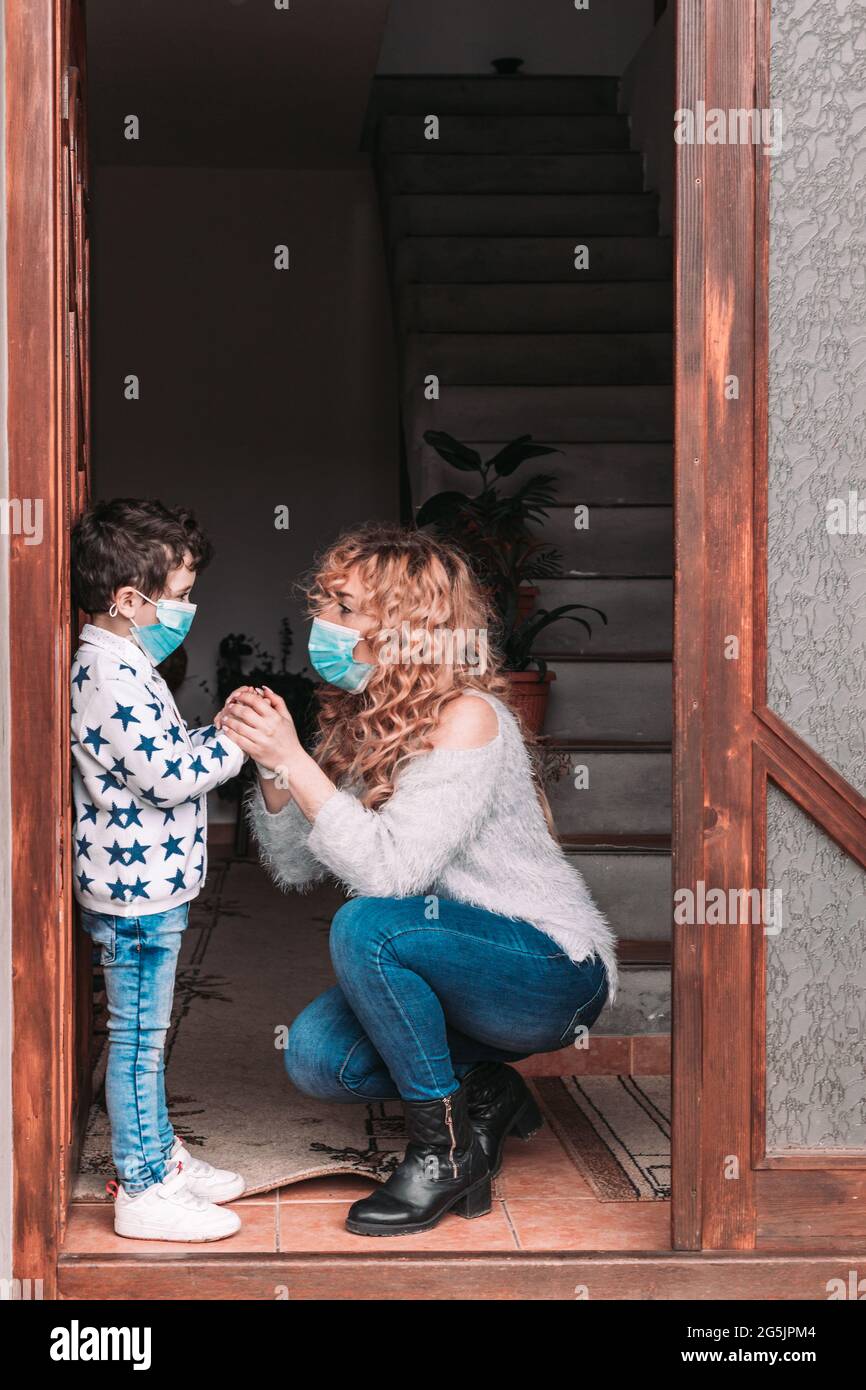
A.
x: 442, y: 509
x: 516, y: 453
x: 453, y: 452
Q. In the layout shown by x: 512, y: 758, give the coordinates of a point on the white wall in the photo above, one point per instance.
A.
x: 463, y: 36
x: 259, y: 387
x: 5, y: 797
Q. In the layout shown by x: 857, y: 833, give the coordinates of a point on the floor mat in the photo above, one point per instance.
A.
x: 251, y: 959
x: 616, y: 1130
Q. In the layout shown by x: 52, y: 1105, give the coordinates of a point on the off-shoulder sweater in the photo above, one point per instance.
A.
x: 462, y: 823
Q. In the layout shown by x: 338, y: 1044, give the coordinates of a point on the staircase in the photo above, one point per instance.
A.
x: 481, y: 228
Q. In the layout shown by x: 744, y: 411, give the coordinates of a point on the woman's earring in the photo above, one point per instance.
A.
x: 112, y: 612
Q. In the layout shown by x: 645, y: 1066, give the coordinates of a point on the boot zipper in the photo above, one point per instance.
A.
x: 450, y: 1125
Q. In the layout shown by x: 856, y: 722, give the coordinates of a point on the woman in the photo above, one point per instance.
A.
x: 469, y: 940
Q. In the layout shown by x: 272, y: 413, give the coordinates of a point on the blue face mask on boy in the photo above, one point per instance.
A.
x: 330, y: 647
x: 173, y: 622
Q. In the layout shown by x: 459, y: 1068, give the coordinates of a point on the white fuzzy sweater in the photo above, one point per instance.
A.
x: 462, y: 823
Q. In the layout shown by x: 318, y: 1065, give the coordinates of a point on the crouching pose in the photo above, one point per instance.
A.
x: 469, y: 940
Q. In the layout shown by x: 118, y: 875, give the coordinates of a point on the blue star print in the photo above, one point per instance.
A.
x: 150, y: 795
x: 94, y: 737
x: 84, y: 847
x: 89, y: 813
x: 138, y: 888
x: 136, y: 853
x: 148, y: 746
x: 176, y: 736
x: 118, y: 890
x: 219, y: 753
x: 197, y: 766
x: 172, y: 768
x: 84, y: 882
x: 173, y: 846
x: 115, y: 854
x: 177, y: 881
x: 80, y: 677
x: 125, y: 715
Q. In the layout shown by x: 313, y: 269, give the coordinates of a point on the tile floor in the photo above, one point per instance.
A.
x: 540, y: 1203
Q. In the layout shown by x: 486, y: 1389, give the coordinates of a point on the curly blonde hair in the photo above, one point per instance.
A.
x: 412, y: 579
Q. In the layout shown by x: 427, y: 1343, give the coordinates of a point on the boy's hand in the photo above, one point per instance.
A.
x: 261, y: 725
x: 241, y: 690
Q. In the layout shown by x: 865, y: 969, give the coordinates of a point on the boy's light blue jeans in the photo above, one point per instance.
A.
x: 421, y: 999
x: 139, y: 960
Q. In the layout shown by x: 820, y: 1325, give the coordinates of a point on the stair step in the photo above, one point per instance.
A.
x: 459, y: 260
x: 491, y: 94
x: 639, y: 954
x: 617, y: 844
x: 504, y: 215
x: 597, y: 474
x: 618, y: 307
x: 628, y: 792
x: 639, y: 615
x: 539, y: 359
x: 618, y: 541
x: 490, y: 134
x: 633, y: 890
x: 608, y: 172
x: 578, y: 413
x: 629, y: 700
x: 643, y: 1005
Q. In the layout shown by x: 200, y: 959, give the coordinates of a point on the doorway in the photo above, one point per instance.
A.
x: 145, y: 381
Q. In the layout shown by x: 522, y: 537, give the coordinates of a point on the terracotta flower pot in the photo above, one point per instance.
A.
x: 529, y: 696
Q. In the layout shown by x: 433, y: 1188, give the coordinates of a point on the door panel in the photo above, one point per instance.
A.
x: 74, y: 469
x: 768, y: 1124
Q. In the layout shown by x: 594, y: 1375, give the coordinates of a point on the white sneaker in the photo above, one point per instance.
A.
x: 214, y: 1184
x: 170, y: 1210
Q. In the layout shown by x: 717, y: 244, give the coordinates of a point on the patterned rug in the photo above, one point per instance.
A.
x: 252, y: 958
x: 615, y: 1129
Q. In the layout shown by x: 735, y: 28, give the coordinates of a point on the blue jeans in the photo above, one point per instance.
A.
x: 421, y: 999
x: 139, y: 961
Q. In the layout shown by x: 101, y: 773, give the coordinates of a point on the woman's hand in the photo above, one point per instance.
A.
x: 242, y: 689
x: 261, y: 725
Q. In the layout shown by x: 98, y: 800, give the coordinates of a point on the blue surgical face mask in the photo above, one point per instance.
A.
x: 173, y: 622
x: 330, y: 647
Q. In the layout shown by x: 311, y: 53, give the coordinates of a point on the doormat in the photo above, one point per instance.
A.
x: 615, y: 1129
x: 252, y: 958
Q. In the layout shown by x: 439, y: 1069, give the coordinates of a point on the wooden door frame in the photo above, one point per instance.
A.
x: 43, y: 945
x: 727, y: 742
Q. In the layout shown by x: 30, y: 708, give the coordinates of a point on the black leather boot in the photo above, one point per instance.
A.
x: 500, y: 1103
x: 442, y: 1170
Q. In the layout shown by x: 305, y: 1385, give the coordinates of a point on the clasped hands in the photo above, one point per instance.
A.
x: 258, y: 721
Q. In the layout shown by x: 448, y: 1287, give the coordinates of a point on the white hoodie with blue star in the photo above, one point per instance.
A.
x: 140, y: 781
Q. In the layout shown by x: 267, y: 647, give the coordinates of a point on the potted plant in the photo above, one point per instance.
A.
x: 495, y: 533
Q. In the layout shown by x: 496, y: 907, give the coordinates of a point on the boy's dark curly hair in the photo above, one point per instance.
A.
x: 129, y: 540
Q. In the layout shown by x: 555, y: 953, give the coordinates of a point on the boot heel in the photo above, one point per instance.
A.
x: 528, y: 1122
x: 478, y: 1201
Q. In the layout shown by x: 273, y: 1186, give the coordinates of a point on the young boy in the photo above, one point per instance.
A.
x: 140, y: 784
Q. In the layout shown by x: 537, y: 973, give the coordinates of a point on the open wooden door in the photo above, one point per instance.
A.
x: 49, y: 448
x: 74, y: 285
x: 769, y: 1132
